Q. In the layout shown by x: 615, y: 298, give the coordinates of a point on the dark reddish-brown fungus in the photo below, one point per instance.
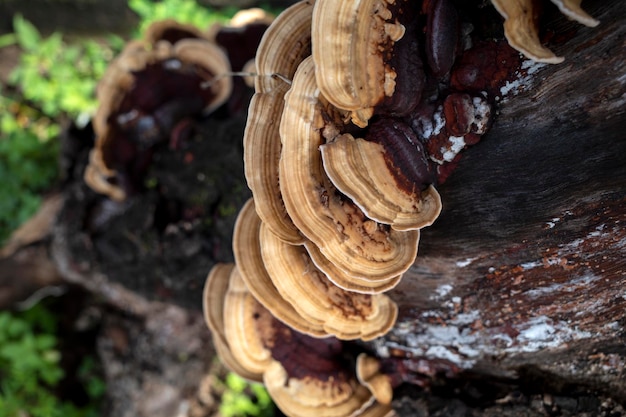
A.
x: 458, y: 111
x: 410, y: 77
x: 163, y: 94
x: 304, y: 356
x: 404, y: 152
x: 442, y: 35
x: 485, y: 67
x: 174, y: 34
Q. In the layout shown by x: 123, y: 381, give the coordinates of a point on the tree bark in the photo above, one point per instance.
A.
x: 523, y: 276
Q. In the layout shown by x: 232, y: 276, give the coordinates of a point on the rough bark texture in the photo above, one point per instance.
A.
x: 521, y: 282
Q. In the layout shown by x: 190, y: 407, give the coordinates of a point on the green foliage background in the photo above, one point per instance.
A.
x: 30, y: 368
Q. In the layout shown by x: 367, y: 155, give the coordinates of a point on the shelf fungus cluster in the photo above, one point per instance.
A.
x: 152, y: 90
x: 306, y: 376
x: 354, y: 122
x: 522, y: 31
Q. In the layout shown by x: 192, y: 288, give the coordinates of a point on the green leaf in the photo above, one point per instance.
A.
x: 8, y: 39
x: 27, y: 34
x: 235, y: 382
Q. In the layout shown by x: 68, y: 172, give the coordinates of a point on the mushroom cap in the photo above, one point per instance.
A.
x: 284, y: 45
x: 247, y: 251
x: 344, y: 314
x: 128, y: 92
x: 345, y: 281
x: 349, y: 38
x: 241, y: 311
x: 213, y: 298
x: 572, y: 9
x: 171, y: 31
x: 363, y: 170
x: 345, y: 236
x: 369, y: 375
x: 253, y: 15
x: 521, y: 30
x: 310, y: 377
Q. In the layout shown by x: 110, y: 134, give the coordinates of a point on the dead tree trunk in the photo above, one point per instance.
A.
x: 521, y: 282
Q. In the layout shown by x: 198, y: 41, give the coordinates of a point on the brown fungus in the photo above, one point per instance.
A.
x: 214, y: 296
x: 354, y: 243
x: 345, y: 281
x: 247, y: 251
x: 305, y: 376
x: 143, y: 95
x: 343, y: 314
x: 349, y: 40
x: 285, y: 44
x: 312, y: 377
x: 521, y: 29
x: 388, y: 177
x: 368, y: 371
x: 240, y: 312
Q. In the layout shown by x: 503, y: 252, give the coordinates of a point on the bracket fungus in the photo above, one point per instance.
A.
x: 355, y: 244
x: 240, y: 312
x: 138, y: 109
x: 247, y: 251
x: 305, y: 376
x: 521, y: 29
x: 285, y: 44
x: 346, y: 315
x: 346, y: 281
x: 349, y: 43
x: 384, y: 181
x: 214, y: 296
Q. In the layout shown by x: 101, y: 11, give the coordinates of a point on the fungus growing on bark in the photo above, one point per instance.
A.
x: 351, y: 40
x: 387, y: 175
x: 305, y: 376
x: 521, y: 29
x: 355, y: 244
x: 343, y: 150
x: 213, y: 299
x: 285, y: 44
x: 144, y: 94
x: 247, y: 251
x: 369, y: 374
x: 343, y: 314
